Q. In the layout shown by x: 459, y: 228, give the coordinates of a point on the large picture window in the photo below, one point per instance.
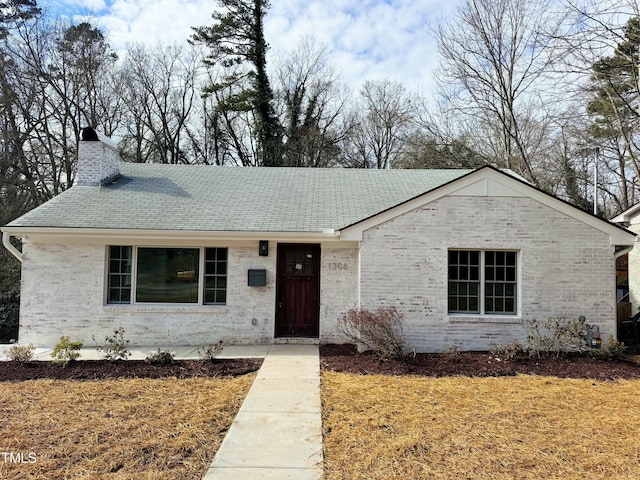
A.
x: 483, y: 282
x: 167, y: 275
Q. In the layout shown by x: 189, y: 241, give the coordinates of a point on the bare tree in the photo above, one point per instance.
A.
x: 312, y: 106
x: 160, y: 89
x: 380, y: 123
x: 495, y: 60
x: 49, y: 97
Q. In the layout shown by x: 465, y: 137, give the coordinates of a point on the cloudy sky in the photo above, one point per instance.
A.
x: 368, y: 39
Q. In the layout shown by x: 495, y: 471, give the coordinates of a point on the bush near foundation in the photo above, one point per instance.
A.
x: 556, y: 336
x: 610, y: 350
x: 211, y: 351
x: 507, y: 353
x: 380, y: 331
x: 21, y: 353
x: 164, y: 357
x: 66, y: 351
x: 115, y: 346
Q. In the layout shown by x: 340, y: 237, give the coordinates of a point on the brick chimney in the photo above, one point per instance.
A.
x: 98, y: 159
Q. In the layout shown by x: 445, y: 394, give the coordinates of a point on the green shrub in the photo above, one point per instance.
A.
x: 610, y: 350
x: 556, y: 336
x: 160, y: 358
x: 66, y: 351
x: 210, y: 352
x: 379, y: 331
x: 115, y: 346
x: 21, y: 353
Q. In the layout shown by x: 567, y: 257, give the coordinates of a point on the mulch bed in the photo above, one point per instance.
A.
x: 338, y: 358
x: 102, y: 370
x: 344, y: 358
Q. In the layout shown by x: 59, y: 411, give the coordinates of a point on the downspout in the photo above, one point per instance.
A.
x: 6, y: 241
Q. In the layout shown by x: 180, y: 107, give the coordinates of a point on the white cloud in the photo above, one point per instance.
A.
x: 73, y: 7
x: 368, y: 39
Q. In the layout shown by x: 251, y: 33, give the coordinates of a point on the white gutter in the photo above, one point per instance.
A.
x: 105, y: 236
x: 6, y: 241
x: 108, y: 234
x: 622, y: 252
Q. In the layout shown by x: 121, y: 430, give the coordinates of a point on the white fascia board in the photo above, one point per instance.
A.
x: 109, y: 236
x: 630, y: 215
x: 617, y: 235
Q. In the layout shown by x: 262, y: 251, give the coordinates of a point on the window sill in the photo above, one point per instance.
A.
x: 166, y: 308
x: 500, y: 319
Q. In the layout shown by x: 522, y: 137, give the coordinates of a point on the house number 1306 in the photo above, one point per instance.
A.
x: 338, y: 266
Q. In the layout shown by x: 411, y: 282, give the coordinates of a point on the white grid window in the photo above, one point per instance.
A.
x: 167, y: 275
x: 483, y: 282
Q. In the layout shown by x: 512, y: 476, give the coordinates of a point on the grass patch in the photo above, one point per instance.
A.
x: 126, y: 429
x: 524, y: 427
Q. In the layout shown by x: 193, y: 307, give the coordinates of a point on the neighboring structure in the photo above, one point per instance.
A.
x: 630, y: 219
x: 181, y: 254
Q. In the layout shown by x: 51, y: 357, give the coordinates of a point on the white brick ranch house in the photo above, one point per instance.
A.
x: 189, y: 255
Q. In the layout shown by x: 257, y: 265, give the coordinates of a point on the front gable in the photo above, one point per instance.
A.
x: 490, y: 182
x: 487, y: 186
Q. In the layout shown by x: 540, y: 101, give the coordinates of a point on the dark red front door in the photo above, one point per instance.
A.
x: 298, y: 290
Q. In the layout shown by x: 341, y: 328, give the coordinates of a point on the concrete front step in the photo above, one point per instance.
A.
x: 296, y: 341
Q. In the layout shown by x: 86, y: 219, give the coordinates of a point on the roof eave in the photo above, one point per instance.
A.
x: 137, y: 236
x: 628, y: 216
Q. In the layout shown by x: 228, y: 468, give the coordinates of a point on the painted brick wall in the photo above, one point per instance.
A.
x: 64, y: 289
x: 566, y: 268
x: 338, y: 288
x: 97, y: 162
x: 63, y: 294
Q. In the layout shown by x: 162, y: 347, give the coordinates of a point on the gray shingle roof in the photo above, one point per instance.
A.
x: 233, y: 199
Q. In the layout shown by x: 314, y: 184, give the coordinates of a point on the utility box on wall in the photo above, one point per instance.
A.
x: 257, y: 278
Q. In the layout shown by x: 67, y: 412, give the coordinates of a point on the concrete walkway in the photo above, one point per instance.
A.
x: 277, y: 433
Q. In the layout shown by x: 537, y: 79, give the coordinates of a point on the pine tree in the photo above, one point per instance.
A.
x: 236, y: 43
x: 615, y: 110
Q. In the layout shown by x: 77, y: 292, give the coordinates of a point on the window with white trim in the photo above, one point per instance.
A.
x: 119, y: 275
x: 483, y: 282
x: 167, y: 275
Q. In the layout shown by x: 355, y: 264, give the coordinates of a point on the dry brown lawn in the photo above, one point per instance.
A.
x: 118, y: 429
x: 523, y: 427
